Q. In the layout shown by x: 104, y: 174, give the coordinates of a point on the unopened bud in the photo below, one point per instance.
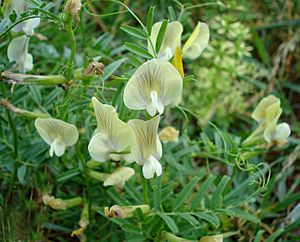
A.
x: 169, y: 134
x: 124, y: 211
x: 60, y: 204
x: 73, y: 7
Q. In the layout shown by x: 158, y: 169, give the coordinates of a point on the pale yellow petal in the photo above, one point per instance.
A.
x: 282, y: 132
x: 155, y: 84
x: 259, y: 113
x: 197, y: 42
x: 51, y: 129
x: 151, y: 167
x: 171, y: 39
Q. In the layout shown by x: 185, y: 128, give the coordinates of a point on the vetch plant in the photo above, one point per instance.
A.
x: 129, y: 171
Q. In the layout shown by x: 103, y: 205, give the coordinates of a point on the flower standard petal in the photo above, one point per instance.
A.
x: 155, y: 84
x: 259, y: 112
x: 171, y: 39
x: 146, y: 148
x: 144, y: 135
x: 197, y: 42
x: 56, y: 133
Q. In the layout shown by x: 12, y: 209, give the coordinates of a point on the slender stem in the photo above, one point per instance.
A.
x: 72, y: 202
x: 145, y: 188
x: 73, y: 50
x: 15, y: 138
x: 98, y: 175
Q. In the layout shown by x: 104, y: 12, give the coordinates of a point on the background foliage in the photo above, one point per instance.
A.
x: 254, y: 50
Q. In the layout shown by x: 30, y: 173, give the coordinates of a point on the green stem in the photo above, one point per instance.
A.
x: 17, y: 78
x: 173, y: 238
x: 145, y: 188
x: 73, y: 50
x: 73, y: 202
x: 98, y: 175
x: 15, y: 139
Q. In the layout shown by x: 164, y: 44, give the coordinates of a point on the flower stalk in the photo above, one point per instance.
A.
x: 61, y: 204
x: 98, y: 175
x: 16, y: 78
x: 6, y: 104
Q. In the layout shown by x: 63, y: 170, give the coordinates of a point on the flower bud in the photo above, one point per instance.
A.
x: 213, y: 238
x: 168, y: 134
x: 83, y: 222
x: 124, y: 211
x: 60, y: 204
x: 73, y: 7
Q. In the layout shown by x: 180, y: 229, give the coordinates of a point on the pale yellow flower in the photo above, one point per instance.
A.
x: 197, y: 42
x: 154, y: 85
x: 18, y: 52
x: 146, y: 148
x: 112, y: 135
x: 56, y: 133
x: 171, y: 40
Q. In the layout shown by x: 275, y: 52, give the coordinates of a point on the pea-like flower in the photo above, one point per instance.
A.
x: 154, y: 85
x: 146, y: 148
x: 197, y: 42
x: 19, y: 7
x: 267, y: 114
x: 171, y: 39
x: 56, y: 133
x: 193, y: 47
x: 112, y: 135
x: 18, y: 52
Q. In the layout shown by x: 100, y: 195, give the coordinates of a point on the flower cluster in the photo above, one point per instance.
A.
x: 155, y: 84
x: 18, y: 48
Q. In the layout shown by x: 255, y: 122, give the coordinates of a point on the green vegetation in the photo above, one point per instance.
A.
x: 83, y: 104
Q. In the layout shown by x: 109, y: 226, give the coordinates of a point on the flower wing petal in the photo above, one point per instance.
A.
x: 99, y: 148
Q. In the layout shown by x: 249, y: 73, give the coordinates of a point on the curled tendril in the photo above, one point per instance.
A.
x: 260, y: 173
